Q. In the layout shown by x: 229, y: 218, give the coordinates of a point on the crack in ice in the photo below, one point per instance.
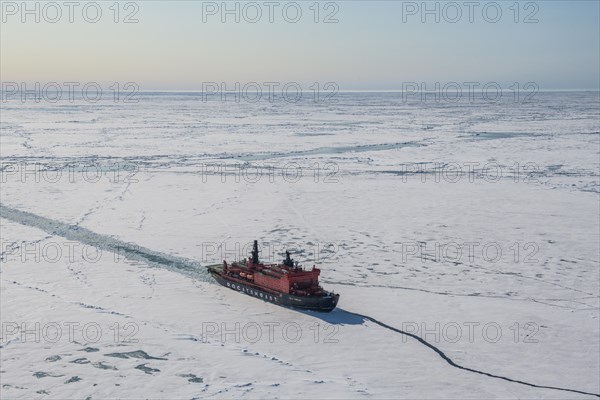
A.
x: 455, y: 365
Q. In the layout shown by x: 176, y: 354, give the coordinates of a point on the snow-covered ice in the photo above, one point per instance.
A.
x: 472, y: 226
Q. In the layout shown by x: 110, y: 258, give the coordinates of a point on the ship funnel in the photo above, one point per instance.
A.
x: 255, y: 252
x: 288, y: 262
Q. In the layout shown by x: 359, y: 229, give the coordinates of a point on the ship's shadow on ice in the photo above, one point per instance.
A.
x: 338, y: 316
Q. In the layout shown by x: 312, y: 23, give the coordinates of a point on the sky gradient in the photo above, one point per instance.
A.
x: 376, y: 45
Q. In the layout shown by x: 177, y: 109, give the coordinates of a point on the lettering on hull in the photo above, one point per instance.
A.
x: 251, y: 292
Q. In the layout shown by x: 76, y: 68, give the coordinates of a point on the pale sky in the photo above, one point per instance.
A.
x: 374, y: 45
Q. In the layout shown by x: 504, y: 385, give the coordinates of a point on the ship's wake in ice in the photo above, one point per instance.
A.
x: 104, y: 242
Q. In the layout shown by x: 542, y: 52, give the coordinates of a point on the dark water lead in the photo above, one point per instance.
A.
x: 192, y: 378
x: 135, y: 354
x: 147, y: 370
x: 73, y: 379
